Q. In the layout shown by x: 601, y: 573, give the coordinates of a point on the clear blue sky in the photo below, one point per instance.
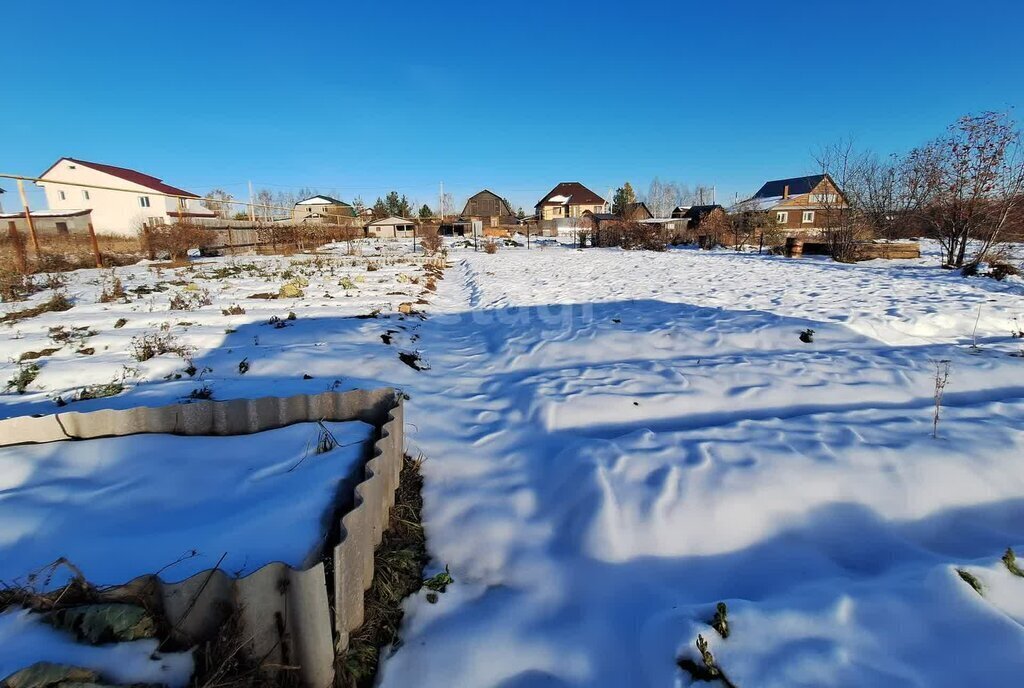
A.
x: 361, y: 97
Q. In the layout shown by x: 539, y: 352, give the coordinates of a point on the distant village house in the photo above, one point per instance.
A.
x: 324, y: 210
x: 391, y: 228
x: 565, y: 204
x: 798, y: 205
x: 490, y: 208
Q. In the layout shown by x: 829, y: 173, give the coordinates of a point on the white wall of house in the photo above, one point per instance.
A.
x: 113, y: 212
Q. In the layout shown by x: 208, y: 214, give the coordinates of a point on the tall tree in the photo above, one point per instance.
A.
x: 624, y: 195
x: 425, y: 212
x: 380, y: 210
x: 397, y: 205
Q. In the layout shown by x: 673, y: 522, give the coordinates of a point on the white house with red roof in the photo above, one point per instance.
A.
x: 121, y: 200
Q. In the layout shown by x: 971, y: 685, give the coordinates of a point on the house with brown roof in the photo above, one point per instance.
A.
x: 122, y: 200
x: 798, y: 205
x: 489, y: 208
x: 565, y: 204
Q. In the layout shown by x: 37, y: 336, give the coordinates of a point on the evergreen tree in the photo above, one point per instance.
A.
x: 520, y: 214
x: 426, y: 212
x: 380, y: 210
x: 624, y: 195
x: 397, y: 205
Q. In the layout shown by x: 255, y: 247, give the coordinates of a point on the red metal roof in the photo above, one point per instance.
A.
x: 129, y: 176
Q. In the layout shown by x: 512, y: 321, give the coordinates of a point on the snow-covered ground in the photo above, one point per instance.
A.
x: 121, y: 507
x: 617, y: 441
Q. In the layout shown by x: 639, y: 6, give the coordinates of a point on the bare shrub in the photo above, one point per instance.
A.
x: 14, y: 286
x: 490, y: 246
x: 113, y: 291
x: 176, y: 240
x: 156, y: 343
x: 23, y: 378
x: 431, y: 241
x: 633, y: 236
x: 190, y: 300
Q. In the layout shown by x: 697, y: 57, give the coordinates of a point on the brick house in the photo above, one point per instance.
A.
x: 799, y: 205
x: 565, y: 204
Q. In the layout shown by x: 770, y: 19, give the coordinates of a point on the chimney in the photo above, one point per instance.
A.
x: 785, y: 191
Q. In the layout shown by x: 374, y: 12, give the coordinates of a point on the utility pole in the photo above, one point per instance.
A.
x: 28, y: 217
x: 440, y: 202
x: 252, y: 208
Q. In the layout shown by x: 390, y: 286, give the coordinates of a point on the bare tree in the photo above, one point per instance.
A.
x: 968, y: 183
x: 885, y: 195
x: 264, y: 205
x: 218, y: 201
x: 661, y: 197
x: 447, y: 205
x: 840, y: 219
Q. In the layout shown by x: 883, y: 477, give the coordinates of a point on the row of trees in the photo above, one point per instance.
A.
x: 662, y: 197
x: 964, y: 188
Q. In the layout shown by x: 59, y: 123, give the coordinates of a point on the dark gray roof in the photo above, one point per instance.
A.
x: 797, y: 185
x: 697, y: 212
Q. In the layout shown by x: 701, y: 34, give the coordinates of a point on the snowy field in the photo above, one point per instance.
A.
x: 617, y: 441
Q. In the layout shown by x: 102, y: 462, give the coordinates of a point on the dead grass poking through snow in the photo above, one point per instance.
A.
x: 56, y: 303
x: 397, y: 573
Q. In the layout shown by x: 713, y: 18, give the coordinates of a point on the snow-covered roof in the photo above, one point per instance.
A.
x: 558, y: 199
x: 392, y: 221
x: 757, y: 204
x: 46, y: 213
x: 321, y: 200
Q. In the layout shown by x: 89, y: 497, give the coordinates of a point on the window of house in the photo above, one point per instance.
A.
x: 782, y: 218
x: 182, y: 203
x: 62, y: 227
x: 62, y: 196
x: 808, y: 216
x: 144, y: 201
x: 85, y: 195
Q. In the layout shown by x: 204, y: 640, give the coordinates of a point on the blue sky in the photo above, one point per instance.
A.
x: 359, y: 98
